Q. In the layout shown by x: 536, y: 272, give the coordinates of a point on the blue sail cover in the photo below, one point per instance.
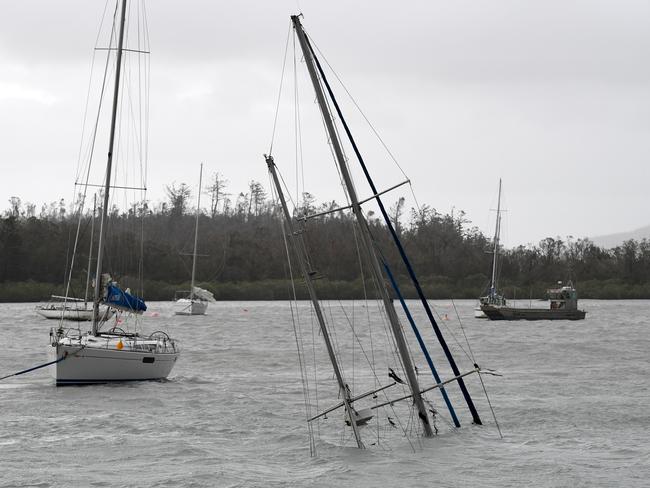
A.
x: 117, y: 298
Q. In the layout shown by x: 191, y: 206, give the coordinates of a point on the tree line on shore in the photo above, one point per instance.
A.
x: 242, y: 253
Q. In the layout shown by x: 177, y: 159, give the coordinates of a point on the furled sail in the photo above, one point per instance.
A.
x: 123, y: 300
x: 202, y: 294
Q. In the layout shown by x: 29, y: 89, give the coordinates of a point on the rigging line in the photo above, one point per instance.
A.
x: 311, y: 40
x: 487, y: 397
x: 295, y: 118
x: 313, y: 328
x: 277, y: 107
x: 74, y: 252
x: 299, y: 344
x: 101, y: 99
x: 358, y: 340
x: 374, y: 373
x: 365, y: 301
x: 300, y: 175
x: 460, y: 322
x: 90, y: 79
x: 398, y: 244
x: 451, y: 333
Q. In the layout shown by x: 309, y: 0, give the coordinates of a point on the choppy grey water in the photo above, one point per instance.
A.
x: 573, y: 405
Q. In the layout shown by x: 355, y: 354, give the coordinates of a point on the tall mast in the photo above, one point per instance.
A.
x: 196, y: 232
x: 497, y: 231
x: 109, y: 164
x: 365, y: 230
x: 299, y: 247
x: 90, y: 250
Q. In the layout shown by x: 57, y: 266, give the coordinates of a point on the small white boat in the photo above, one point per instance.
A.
x: 190, y: 306
x: 197, y: 301
x: 70, y: 309
x: 110, y: 357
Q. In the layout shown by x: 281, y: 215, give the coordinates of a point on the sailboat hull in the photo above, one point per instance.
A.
x: 79, y: 365
x: 185, y: 306
x: 78, y: 315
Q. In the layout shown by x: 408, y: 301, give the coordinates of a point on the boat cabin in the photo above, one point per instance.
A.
x: 563, y: 297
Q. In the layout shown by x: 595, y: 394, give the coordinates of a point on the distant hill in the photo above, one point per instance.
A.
x: 613, y: 240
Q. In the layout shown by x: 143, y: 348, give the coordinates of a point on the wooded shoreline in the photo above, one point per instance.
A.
x: 242, y: 253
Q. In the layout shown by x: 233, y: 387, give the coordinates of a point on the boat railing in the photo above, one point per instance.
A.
x: 132, y: 342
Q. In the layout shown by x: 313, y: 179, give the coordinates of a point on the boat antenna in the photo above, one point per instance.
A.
x: 107, y: 185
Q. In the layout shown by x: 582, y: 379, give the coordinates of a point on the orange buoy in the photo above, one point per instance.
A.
x: 120, y: 345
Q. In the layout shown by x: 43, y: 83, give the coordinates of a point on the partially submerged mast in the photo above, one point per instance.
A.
x: 196, y: 232
x: 299, y: 249
x: 109, y: 164
x: 497, y: 232
x: 367, y: 239
x: 452, y: 362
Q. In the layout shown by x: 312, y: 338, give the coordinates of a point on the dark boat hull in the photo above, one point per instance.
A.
x: 512, y: 313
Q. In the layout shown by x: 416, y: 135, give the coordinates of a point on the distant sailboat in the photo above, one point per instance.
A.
x: 113, y: 355
x: 493, y: 297
x: 70, y: 308
x: 197, y: 301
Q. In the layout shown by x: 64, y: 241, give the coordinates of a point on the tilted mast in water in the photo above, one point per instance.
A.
x: 411, y: 272
x: 367, y: 239
x: 300, y: 250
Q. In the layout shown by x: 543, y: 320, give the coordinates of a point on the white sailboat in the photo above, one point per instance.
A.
x: 115, y: 354
x: 70, y: 308
x: 493, y: 297
x: 196, y: 303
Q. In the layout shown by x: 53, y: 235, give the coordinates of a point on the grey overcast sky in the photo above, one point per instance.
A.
x: 551, y: 95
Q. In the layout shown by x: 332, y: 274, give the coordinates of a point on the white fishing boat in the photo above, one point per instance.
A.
x: 196, y: 303
x: 493, y: 297
x: 112, y: 350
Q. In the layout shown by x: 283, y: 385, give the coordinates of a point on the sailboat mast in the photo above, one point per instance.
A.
x: 344, y: 390
x: 109, y: 164
x: 497, y: 231
x: 90, y: 250
x: 365, y: 231
x: 196, y: 232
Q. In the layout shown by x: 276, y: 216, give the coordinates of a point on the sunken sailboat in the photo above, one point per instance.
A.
x: 359, y: 410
